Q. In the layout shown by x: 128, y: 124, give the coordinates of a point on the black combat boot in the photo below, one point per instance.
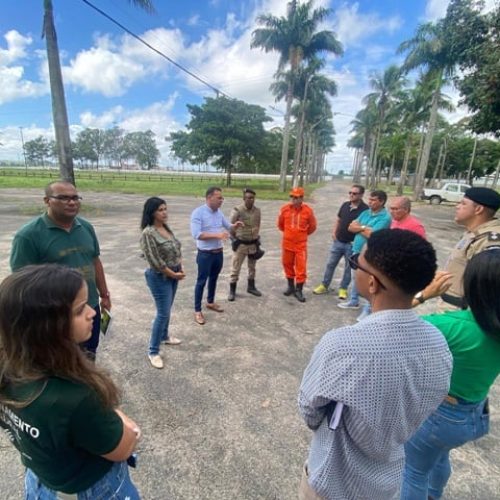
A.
x: 232, y: 292
x: 291, y: 287
x: 251, y: 288
x: 298, y: 292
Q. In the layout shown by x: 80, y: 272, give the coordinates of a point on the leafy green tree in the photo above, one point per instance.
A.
x: 475, y: 41
x: 90, y: 143
x: 142, y: 147
x: 222, y: 131
x: 59, y: 111
x: 296, y: 38
x: 37, y: 151
x: 113, y: 145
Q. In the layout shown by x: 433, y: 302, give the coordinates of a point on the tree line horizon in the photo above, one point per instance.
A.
x: 398, y: 131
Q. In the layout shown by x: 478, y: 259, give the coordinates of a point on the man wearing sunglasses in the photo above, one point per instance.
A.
x: 377, y: 217
x: 60, y: 236
x: 297, y: 221
x: 369, y: 386
x: 342, y: 241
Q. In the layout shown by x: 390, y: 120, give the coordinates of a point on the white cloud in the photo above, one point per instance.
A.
x: 104, y: 120
x: 352, y: 26
x: 436, y: 9
x: 100, y: 70
x: 113, y: 66
x: 16, y: 47
x: 156, y: 117
x: 14, y: 85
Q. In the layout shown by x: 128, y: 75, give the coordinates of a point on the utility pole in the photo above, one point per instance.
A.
x: 24, y: 152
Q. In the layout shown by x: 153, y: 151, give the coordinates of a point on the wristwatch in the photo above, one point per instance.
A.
x: 420, y: 297
x: 363, y: 228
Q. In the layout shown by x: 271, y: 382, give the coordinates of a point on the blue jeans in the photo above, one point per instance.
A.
x: 115, y: 485
x: 427, y: 453
x: 354, y: 295
x: 163, y: 290
x: 337, y: 251
x: 92, y: 343
x: 209, y: 267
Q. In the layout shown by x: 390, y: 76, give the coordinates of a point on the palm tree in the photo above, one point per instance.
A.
x: 296, y: 39
x: 365, y: 125
x: 59, y: 112
x: 387, y: 88
x: 311, y: 89
x: 414, y: 110
x: 316, y: 89
x: 429, y: 49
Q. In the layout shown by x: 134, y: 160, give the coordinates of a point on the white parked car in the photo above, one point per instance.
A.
x: 451, y: 191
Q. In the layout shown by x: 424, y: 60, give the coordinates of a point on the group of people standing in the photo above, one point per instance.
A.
x: 386, y: 398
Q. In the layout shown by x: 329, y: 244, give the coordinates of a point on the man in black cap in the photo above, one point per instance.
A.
x: 476, y: 212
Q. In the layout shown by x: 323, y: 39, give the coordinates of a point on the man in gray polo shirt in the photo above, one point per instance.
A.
x: 369, y: 386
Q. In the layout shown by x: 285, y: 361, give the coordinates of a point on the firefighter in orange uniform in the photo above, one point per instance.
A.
x: 297, y: 221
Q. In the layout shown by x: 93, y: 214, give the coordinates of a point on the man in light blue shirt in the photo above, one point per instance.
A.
x: 210, y: 229
x: 377, y: 217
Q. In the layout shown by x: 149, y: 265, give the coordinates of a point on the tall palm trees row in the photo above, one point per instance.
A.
x: 395, y: 117
x: 390, y: 108
x: 299, y: 43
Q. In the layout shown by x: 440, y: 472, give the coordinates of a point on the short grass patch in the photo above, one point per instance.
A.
x: 146, y: 183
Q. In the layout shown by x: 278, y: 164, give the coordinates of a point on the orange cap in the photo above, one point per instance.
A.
x: 298, y: 192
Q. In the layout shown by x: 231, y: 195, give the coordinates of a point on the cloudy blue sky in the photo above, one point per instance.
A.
x: 111, y: 79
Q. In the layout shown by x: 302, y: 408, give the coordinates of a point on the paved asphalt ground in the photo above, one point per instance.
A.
x: 220, y: 421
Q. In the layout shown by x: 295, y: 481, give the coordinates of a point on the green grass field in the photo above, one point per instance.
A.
x: 145, y: 183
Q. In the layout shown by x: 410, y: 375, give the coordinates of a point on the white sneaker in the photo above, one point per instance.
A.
x: 348, y: 305
x: 156, y: 360
x: 172, y: 341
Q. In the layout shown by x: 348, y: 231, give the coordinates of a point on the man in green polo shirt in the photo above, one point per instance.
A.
x: 60, y: 236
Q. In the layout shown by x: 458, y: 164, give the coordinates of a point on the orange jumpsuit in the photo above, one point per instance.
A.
x: 297, y: 224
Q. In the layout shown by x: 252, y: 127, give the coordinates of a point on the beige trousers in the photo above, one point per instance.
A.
x: 238, y: 258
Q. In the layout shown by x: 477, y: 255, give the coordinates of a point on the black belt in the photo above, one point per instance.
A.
x: 249, y: 242
x: 217, y: 250
x: 459, y: 302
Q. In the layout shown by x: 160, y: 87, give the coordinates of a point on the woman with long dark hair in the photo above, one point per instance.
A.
x: 162, y: 251
x: 473, y: 336
x: 58, y: 409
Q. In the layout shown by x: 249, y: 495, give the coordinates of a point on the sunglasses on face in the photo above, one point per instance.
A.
x: 296, y: 197
x: 354, y: 264
x: 354, y: 192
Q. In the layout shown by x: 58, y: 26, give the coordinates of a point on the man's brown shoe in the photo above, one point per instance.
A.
x: 215, y: 307
x: 199, y: 318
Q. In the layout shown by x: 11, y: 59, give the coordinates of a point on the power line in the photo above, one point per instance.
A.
x: 169, y: 59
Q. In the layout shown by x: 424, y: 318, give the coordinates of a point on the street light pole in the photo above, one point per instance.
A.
x: 24, y: 152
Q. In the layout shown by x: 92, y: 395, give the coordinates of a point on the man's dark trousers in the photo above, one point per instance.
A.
x: 209, y: 266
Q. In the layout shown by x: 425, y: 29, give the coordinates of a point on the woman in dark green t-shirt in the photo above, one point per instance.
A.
x: 56, y: 407
x: 473, y: 337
